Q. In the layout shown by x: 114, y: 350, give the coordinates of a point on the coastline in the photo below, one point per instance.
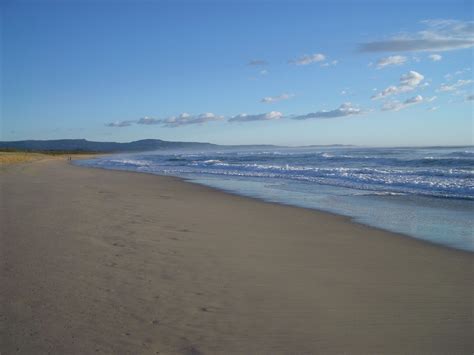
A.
x: 139, y: 263
x: 348, y: 218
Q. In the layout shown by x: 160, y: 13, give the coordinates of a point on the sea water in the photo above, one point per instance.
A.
x: 426, y: 193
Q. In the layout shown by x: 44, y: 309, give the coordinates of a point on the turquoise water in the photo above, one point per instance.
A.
x: 426, y: 193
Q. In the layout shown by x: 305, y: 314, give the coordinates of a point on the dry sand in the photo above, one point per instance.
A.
x: 126, y: 263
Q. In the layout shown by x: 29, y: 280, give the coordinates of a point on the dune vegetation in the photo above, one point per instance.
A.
x: 15, y: 157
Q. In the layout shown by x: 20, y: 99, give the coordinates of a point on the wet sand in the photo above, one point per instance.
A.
x: 97, y: 261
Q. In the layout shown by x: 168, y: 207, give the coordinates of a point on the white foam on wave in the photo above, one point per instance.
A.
x: 406, y: 173
x: 131, y: 162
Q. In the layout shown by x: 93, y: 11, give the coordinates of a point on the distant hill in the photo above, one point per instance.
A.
x: 83, y: 145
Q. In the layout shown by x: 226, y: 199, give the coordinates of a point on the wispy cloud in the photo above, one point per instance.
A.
x: 397, y: 105
x: 450, y: 76
x: 272, y: 99
x: 119, y: 124
x: 391, y: 61
x: 185, y: 119
x: 455, y: 86
x: 149, y: 121
x: 173, y: 121
x: 329, y: 64
x: 435, y: 57
x: 346, y: 109
x: 257, y: 62
x: 438, y: 35
x: 408, y: 82
x: 308, y: 59
x: 270, y: 116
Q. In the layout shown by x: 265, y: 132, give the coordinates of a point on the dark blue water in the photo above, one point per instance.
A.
x: 427, y: 193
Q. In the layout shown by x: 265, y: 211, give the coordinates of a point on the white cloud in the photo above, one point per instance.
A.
x: 346, y: 109
x: 391, y: 60
x: 412, y: 79
x: 119, y: 124
x: 272, y: 99
x: 414, y: 100
x: 392, y: 106
x: 458, y: 84
x: 149, y: 121
x: 397, y: 105
x: 435, y: 57
x: 308, y: 59
x: 408, y: 82
x: 173, y: 121
x: 434, y: 108
x: 438, y: 35
x: 270, y: 116
x: 187, y: 119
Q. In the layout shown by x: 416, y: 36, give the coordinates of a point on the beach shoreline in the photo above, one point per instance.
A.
x: 348, y: 219
x: 127, y: 262
x: 410, y: 193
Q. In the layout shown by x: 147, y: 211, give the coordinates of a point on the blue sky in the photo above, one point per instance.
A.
x: 239, y: 72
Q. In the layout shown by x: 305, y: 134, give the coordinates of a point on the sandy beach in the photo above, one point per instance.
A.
x: 98, y: 261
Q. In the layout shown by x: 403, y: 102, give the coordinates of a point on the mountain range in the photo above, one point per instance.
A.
x: 83, y: 145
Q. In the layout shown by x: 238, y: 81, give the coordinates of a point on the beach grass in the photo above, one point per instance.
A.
x: 16, y: 157
x: 7, y: 158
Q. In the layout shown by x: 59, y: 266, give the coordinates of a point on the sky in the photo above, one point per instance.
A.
x: 372, y: 73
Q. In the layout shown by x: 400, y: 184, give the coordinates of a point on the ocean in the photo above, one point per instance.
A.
x: 425, y: 193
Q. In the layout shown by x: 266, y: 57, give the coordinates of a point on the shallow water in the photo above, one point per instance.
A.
x: 427, y: 193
